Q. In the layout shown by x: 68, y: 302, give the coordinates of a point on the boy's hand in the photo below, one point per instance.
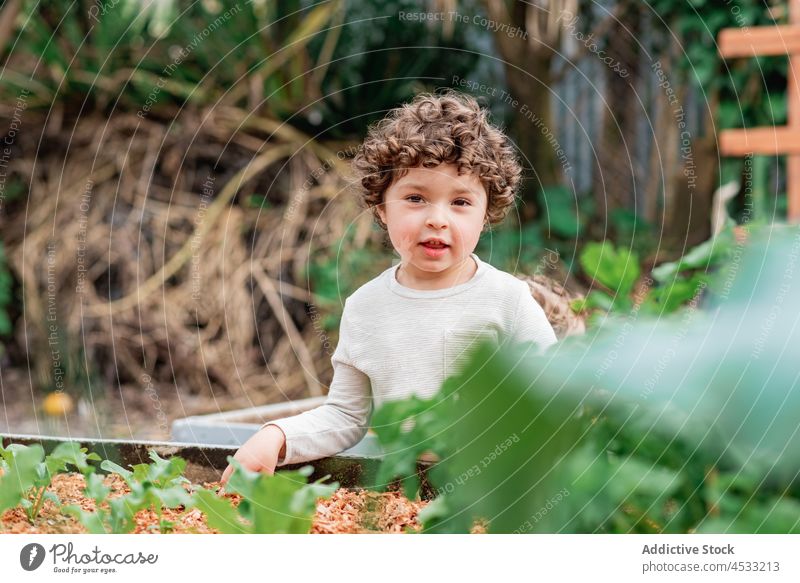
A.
x: 260, y: 453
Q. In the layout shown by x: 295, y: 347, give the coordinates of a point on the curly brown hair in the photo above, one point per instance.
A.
x: 450, y: 127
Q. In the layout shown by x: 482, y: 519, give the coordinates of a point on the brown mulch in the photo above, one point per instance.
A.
x: 347, y: 511
x: 362, y: 511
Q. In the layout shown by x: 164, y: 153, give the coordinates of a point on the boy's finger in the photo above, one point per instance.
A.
x: 226, y: 474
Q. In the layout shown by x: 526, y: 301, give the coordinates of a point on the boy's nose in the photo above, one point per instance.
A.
x: 437, y: 217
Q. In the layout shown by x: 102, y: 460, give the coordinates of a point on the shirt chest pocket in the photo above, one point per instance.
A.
x: 459, y: 343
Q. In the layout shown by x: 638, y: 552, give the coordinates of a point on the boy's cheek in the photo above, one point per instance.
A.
x: 408, y: 240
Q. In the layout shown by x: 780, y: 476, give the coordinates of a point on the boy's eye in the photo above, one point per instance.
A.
x: 459, y: 202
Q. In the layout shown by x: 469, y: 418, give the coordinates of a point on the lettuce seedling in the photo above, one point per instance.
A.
x: 18, y: 467
x: 283, y: 503
x: 117, y: 518
x: 27, y: 473
x: 155, y: 486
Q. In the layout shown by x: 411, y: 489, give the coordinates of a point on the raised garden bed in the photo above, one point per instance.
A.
x: 349, y: 509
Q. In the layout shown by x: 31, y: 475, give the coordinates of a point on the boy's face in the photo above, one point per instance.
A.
x: 434, y: 203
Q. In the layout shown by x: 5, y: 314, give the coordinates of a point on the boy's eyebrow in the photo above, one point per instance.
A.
x: 415, y: 186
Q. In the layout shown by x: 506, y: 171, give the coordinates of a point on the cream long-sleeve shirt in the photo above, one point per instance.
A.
x: 396, y: 341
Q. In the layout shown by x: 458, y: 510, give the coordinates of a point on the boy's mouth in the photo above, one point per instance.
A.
x: 434, y: 244
x: 434, y: 247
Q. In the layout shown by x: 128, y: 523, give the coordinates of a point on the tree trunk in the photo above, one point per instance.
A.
x: 531, y: 127
x: 619, y: 158
x: 528, y: 58
x: 693, y: 183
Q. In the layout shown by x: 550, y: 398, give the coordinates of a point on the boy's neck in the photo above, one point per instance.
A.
x: 455, y: 275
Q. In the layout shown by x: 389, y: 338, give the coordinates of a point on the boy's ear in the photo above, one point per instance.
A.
x: 380, y: 208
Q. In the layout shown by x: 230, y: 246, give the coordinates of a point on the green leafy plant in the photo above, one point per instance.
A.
x: 738, y: 506
x: 616, y: 270
x: 679, y: 436
x: 406, y: 429
x: 19, y: 471
x: 156, y: 485
x: 27, y: 473
x: 673, y: 284
x: 115, y: 517
x: 281, y: 503
x: 487, y: 427
x: 678, y: 282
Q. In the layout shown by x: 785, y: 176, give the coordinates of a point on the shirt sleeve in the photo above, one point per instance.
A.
x: 531, y: 323
x: 340, y: 422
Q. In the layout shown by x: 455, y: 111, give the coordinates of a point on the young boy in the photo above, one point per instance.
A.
x: 435, y: 174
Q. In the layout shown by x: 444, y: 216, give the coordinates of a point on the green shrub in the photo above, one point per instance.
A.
x: 659, y: 425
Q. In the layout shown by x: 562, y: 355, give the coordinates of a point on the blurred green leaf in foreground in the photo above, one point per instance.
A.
x: 678, y: 424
